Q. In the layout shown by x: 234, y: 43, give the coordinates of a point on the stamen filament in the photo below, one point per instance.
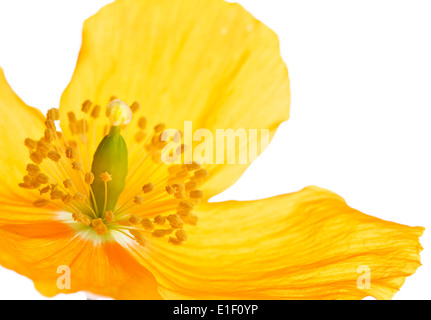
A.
x: 106, y: 196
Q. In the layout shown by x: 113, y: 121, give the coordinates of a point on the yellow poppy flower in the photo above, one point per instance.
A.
x: 96, y: 198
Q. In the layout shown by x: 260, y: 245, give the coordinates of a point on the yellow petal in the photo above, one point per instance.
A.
x: 18, y: 121
x: 207, y: 61
x: 304, y: 245
x: 42, y: 251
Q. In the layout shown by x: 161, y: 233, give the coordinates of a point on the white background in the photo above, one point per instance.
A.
x: 361, y: 105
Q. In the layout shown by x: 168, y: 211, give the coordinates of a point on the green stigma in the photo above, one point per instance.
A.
x: 110, y: 157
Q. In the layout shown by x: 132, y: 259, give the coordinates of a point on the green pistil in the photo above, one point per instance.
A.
x: 111, y: 156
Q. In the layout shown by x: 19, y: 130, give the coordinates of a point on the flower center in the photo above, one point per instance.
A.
x: 97, y: 186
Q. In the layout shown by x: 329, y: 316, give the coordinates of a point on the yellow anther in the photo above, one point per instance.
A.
x: 89, y: 178
x: 49, y: 135
x: 142, y: 123
x: 191, y: 219
x: 79, y: 196
x: 86, y: 106
x: 185, y: 204
x: 148, y: 187
x: 109, y: 216
x: 201, y: 173
x: 53, y: 114
x: 40, y: 202
x: 42, y: 178
x: 67, y: 198
x: 45, y: 190
x: 27, y: 179
x: 70, y: 152
x: 192, y: 166
x: 159, y: 128
x: 95, y: 113
x: 134, y: 219
x: 106, y: 177
x: 135, y: 107
x: 43, y: 147
x: 57, y: 194
x: 54, y: 155
x: 183, y: 213
x: 170, y: 189
x: 161, y: 232
x: 175, y: 220
x: 36, y: 157
x: 35, y: 184
x: 68, y: 183
x: 82, y: 218
x: 180, y: 194
x: 32, y: 184
x: 174, y: 240
x: 99, y: 226
x: 30, y: 143
x: 196, y: 194
x: 191, y: 185
x: 147, y: 224
x: 112, y: 98
x: 181, y: 235
x: 76, y: 165
x: 50, y: 124
x: 178, y: 187
x: 118, y: 112
x: 139, y: 237
x: 140, y: 136
x: 160, y: 219
x: 32, y: 169
x: 71, y: 116
x: 156, y: 140
x: 138, y: 200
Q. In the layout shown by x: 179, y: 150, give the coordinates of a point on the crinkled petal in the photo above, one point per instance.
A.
x: 305, y: 245
x: 41, y: 251
x: 18, y: 121
x: 209, y: 62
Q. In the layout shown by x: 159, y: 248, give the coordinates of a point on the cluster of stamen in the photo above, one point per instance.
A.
x: 184, y: 195
x: 55, y: 170
x: 60, y: 171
